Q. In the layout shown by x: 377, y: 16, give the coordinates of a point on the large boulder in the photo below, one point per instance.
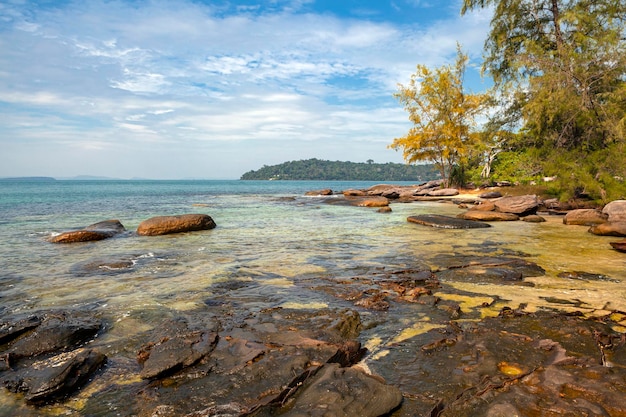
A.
x: 97, y: 231
x: 163, y: 225
x: 521, y: 205
x: 443, y: 192
x: 445, y: 222
x: 488, y: 216
x: 609, y: 229
x: 585, y: 217
x: 326, y: 191
x: 616, y: 211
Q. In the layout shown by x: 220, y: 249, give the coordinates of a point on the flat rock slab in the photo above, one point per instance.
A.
x: 446, y: 222
x: 163, y: 225
x: 54, y: 378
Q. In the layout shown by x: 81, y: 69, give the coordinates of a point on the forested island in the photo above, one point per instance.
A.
x: 317, y: 169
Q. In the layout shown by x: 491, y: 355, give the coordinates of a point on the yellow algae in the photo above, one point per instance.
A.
x: 278, y: 282
x: 380, y: 354
x: 510, y: 369
x: 373, y: 343
x: 185, y: 305
x: 618, y: 328
x: 415, y: 330
x: 302, y: 306
x: 466, y: 302
x: 617, y: 317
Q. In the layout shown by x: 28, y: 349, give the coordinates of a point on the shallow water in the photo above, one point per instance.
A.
x: 270, y: 234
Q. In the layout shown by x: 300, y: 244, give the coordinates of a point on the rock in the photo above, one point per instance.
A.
x: 484, y: 206
x: 354, y: 193
x: 585, y: 217
x: 609, y: 229
x: 10, y: 330
x: 54, y: 378
x: 444, y: 192
x: 179, y: 349
x: 619, y: 245
x: 446, y: 222
x: 491, y: 194
x: 521, y: 205
x: 326, y: 191
x: 533, y: 218
x: 97, y: 231
x: 57, y: 332
x: 162, y: 225
x: 487, y: 216
x: 385, y: 209
x: 373, y: 202
x: 616, y: 211
x: 337, y: 391
x: 379, y: 189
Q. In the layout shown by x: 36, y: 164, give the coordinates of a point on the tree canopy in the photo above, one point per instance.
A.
x: 443, y: 117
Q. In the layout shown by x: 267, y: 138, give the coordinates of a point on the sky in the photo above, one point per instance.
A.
x: 175, y: 89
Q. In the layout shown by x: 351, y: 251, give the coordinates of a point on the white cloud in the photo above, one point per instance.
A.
x: 116, y: 75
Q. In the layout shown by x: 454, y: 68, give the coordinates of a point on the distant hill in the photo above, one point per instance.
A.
x: 28, y: 179
x: 316, y: 169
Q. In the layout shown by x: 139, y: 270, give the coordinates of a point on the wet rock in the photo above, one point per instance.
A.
x: 491, y: 194
x: 97, y: 231
x: 386, y: 209
x: 484, y: 206
x: 446, y: 222
x: 585, y: 276
x: 11, y: 329
x: 104, y: 266
x: 533, y: 218
x: 616, y: 211
x: 179, y: 349
x: 348, y: 324
x: 162, y: 225
x: 619, y: 245
x: 326, y: 191
x: 488, y: 216
x: 372, y: 202
x: 520, y: 205
x: 54, y: 378
x: 502, y: 269
x: 609, y: 229
x: 57, y: 332
x: 585, y: 217
x: 336, y: 391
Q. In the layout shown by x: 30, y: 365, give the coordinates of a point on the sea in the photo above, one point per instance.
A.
x: 271, y: 233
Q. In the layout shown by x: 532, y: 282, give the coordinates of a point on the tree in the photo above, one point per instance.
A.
x: 564, y: 61
x: 443, y: 117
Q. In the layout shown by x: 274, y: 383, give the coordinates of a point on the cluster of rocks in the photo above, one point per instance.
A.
x: 487, y: 207
x: 160, y: 225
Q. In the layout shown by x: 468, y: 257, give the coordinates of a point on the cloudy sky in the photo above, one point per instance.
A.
x: 171, y: 89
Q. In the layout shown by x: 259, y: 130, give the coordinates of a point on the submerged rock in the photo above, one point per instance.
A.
x: 445, y: 222
x: 609, y: 229
x: 163, y: 225
x: 97, y: 231
x: 326, y: 191
x: 54, y: 378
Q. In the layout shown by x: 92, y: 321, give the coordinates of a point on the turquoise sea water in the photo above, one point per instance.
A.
x: 268, y: 233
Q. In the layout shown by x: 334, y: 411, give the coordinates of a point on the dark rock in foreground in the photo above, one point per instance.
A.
x: 97, y: 231
x: 56, y: 377
x: 163, y: 225
x: 445, y: 222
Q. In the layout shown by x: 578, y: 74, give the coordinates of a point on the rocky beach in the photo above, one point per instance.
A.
x: 458, y: 324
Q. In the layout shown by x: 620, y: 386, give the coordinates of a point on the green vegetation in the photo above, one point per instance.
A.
x: 557, y: 109
x: 316, y: 169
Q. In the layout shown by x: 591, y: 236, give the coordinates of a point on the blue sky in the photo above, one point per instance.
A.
x: 212, y: 89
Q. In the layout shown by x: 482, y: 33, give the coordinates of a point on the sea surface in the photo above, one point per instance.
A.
x: 268, y: 232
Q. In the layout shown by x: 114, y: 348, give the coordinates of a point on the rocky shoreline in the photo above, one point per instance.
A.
x: 227, y: 359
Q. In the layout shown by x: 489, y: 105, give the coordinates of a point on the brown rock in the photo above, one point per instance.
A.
x: 385, y: 209
x: 488, y: 216
x: 609, y: 229
x: 524, y: 204
x: 485, y: 206
x: 533, y: 218
x: 616, y: 211
x: 373, y: 202
x: 97, y: 231
x: 326, y: 191
x: 444, y: 192
x: 354, y: 193
x: 585, y: 217
x: 162, y: 225
x: 619, y: 245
